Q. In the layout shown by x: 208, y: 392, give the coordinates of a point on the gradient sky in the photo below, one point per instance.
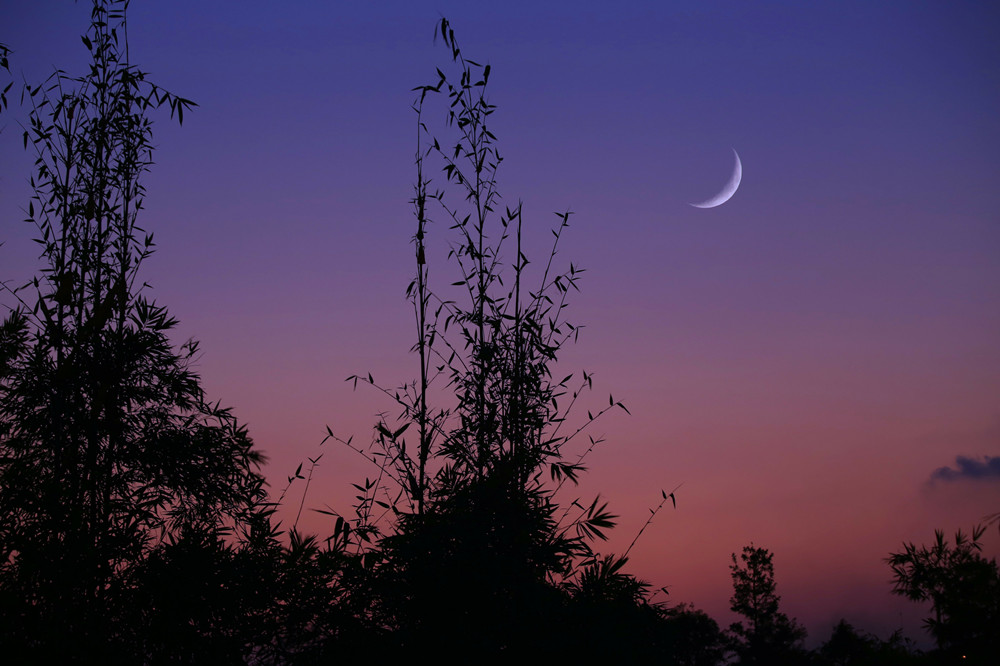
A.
x: 803, y: 358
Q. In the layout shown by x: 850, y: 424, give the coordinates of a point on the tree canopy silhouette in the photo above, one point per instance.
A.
x: 963, y: 588
x: 769, y: 636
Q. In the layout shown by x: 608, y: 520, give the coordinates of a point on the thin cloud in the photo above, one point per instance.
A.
x: 969, y: 468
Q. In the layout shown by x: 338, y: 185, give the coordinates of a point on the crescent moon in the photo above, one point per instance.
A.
x: 729, y: 190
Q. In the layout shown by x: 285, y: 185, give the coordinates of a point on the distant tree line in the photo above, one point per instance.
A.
x: 136, y: 527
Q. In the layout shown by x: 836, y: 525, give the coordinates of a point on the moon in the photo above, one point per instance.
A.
x: 729, y: 190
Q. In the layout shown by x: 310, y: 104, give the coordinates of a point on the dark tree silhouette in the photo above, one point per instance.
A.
x: 108, y: 446
x: 963, y: 588
x: 849, y: 647
x: 768, y: 636
x: 694, y: 639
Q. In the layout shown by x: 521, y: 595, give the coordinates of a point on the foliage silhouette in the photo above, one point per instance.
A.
x: 694, y: 639
x: 963, y: 588
x: 849, y: 647
x: 135, y: 528
x: 5, y: 66
x: 108, y: 446
x: 460, y: 533
x: 769, y: 636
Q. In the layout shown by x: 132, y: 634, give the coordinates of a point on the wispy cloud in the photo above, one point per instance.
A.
x: 969, y: 468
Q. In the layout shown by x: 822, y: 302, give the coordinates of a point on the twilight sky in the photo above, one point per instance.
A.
x: 804, y: 359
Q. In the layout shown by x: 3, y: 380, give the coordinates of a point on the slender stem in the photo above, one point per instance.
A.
x: 652, y: 515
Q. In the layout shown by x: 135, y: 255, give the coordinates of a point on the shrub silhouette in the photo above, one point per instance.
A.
x: 693, y: 638
x: 849, y: 647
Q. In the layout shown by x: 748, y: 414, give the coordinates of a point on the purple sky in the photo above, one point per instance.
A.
x: 804, y: 358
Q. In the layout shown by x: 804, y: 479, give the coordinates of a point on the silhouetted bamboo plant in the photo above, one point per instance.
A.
x: 467, y: 510
x: 108, y: 446
x: 459, y: 532
x: 494, y: 348
x: 963, y: 588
